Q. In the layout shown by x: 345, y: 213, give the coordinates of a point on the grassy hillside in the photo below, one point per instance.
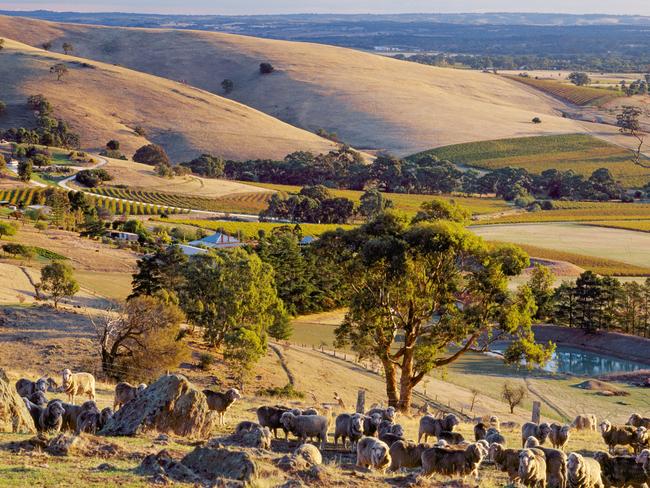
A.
x: 578, y: 152
x: 103, y: 102
x: 370, y: 101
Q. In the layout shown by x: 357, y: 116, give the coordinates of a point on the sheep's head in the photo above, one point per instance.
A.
x: 105, y: 415
x: 441, y: 443
x: 644, y: 458
x: 634, y: 419
x: 575, y: 462
x: 474, y: 452
x: 398, y: 430
x: 642, y: 435
x: 483, y: 447
x: 492, y: 431
x: 55, y: 409
x: 532, y: 441
x: 605, y: 426
x: 375, y: 419
x: 526, y: 460
x: 495, y: 450
x: 565, y: 430
x: 379, y: 455
x: 390, y: 413
x: 66, y: 375
x: 451, y: 420
x: 544, y: 431
x: 233, y: 394
x: 601, y: 456
x: 356, y: 422
x: 41, y: 385
x: 494, y: 420
x: 286, y: 419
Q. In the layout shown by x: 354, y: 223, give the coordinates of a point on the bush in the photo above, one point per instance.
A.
x: 92, y: 177
x: 537, y: 120
x: 113, y: 145
x: 286, y: 391
x: 524, y: 201
x: 141, y: 131
x: 547, y: 205
x: 206, y: 360
x: 227, y: 85
x: 151, y: 154
x: 266, y: 68
x: 3, y: 107
x: 19, y: 250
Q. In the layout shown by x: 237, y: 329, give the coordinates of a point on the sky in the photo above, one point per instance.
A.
x: 233, y: 7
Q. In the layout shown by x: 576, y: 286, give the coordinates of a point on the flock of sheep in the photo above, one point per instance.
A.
x: 379, y: 442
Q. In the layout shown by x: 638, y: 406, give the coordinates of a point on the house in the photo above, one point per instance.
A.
x: 305, y: 241
x: 191, y: 250
x: 218, y: 240
x: 43, y: 209
x: 122, y: 236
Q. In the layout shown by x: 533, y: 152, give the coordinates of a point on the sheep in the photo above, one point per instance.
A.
x: 494, y: 436
x: 26, y: 388
x: 506, y: 460
x: 532, y: 468
x: 38, y: 398
x: 348, y: 426
x: 621, y: 471
x: 480, y: 431
x: 221, y: 402
x: 494, y: 422
x: 389, y: 438
x: 48, y: 418
x: 559, y: 435
x: 614, y: 435
x: 451, y: 437
x: 246, y: 425
x: 386, y: 413
x: 72, y: 413
x: 583, y: 472
x: 556, y: 463
x: 373, y: 453
x: 642, y: 438
x: 125, y: 392
x: 270, y: 417
x: 310, y: 411
x: 452, y: 462
x: 643, y: 459
x: 637, y: 421
x: 77, y: 384
x: 385, y: 426
x: 371, y: 424
x: 406, y: 454
x: 92, y: 420
x: 540, y: 431
x: 431, y: 426
x: 309, y: 453
x: 585, y: 422
x: 305, y: 426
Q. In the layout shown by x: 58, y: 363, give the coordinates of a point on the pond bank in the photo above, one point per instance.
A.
x: 613, y: 344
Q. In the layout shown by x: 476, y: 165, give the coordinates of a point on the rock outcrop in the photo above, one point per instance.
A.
x: 14, y: 416
x: 170, y: 405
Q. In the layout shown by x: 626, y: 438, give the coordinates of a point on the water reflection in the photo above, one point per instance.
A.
x: 584, y: 363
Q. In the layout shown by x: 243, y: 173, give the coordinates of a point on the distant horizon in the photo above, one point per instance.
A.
x: 330, y: 7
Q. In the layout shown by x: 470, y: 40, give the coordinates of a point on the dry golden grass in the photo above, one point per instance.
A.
x: 370, y: 101
x: 102, y: 102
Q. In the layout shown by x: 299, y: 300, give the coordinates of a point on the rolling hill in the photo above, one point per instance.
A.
x: 371, y: 102
x: 102, y: 102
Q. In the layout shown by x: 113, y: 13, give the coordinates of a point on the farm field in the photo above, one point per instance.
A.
x: 578, y: 152
x: 346, y: 91
x: 249, y: 230
x: 638, y: 225
x: 409, y: 203
x: 597, y: 79
x: 612, y: 244
x: 567, y: 211
x: 577, y: 95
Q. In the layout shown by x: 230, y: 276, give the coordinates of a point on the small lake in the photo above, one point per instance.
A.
x: 579, y: 362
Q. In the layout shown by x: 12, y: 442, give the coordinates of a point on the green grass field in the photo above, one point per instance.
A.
x: 578, y: 152
x: 409, y: 203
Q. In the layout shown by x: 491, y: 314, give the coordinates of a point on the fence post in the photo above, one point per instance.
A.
x: 537, y: 412
x: 361, y: 401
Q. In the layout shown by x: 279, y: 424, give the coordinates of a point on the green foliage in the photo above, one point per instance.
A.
x: 92, y: 177
x: 25, y: 168
x: 313, y: 204
x: 7, y: 229
x: 67, y: 47
x: 59, y: 70
x: 57, y: 279
x: 541, y: 284
x: 579, y: 78
x: 151, y: 154
x: 287, y: 391
x: 442, y: 210
x: 372, y: 203
x: 227, y: 86
x: 15, y: 250
x: 266, y: 68
x: 113, y: 145
x: 206, y: 360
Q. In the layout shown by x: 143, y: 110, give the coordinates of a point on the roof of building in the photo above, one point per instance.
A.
x: 218, y: 239
x: 191, y: 250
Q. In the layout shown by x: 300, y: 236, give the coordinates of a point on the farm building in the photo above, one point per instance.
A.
x: 122, y: 236
x: 191, y: 250
x: 218, y: 240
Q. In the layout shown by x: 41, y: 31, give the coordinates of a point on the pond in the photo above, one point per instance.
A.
x: 579, y: 362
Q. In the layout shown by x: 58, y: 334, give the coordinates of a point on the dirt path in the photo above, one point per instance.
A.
x: 283, y: 363
x: 565, y: 416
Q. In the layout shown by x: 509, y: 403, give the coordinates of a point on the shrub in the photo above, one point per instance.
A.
x: 227, y: 85
x: 19, y: 250
x: 206, y: 360
x: 151, y: 154
x: 113, y: 145
x: 7, y: 229
x: 537, y: 120
x: 141, y: 131
x: 266, y: 68
x: 286, y: 391
x: 547, y: 205
x: 3, y: 107
x: 93, y: 177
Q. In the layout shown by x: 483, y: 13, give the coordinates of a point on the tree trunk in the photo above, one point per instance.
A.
x: 391, y: 382
x: 405, y: 380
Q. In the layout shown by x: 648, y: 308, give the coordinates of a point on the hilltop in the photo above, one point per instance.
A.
x: 370, y: 101
x: 103, y: 102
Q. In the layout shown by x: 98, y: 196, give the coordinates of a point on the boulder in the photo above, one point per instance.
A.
x: 257, y: 437
x: 162, y: 465
x: 14, y: 416
x: 213, y: 464
x: 170, y: 405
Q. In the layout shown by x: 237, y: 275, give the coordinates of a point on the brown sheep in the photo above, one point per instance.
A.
x: 618, y: 435
x: 38, y: 398
x: 585, y: 422
x: 27, y: 388
x: 125, y: 392
x: 621, y: 471
x: 431, y: 426
x: 583, y: 472
x: 406, y: 454
x: 221, y: 402
x: 371, y: 424
x: 506, y: 460
x: 77, y: 384
x: 642, y: 438
x: 532, y: 468
x: 348, y: 426
x: 480, y: 431
x: 559, y: 435
x: 386, y: 413
x: 48, y: 418
x: 494, y: 436
x: 72, y: 413
x: 270, y: 417
x: 452, y: 462
x: 92, y: 421
x: 637, y: 421
x: 373, y: 453
x: 304, y: 426
x: 541, y: 432
x: 556, y: 463
x: 451, y: 437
